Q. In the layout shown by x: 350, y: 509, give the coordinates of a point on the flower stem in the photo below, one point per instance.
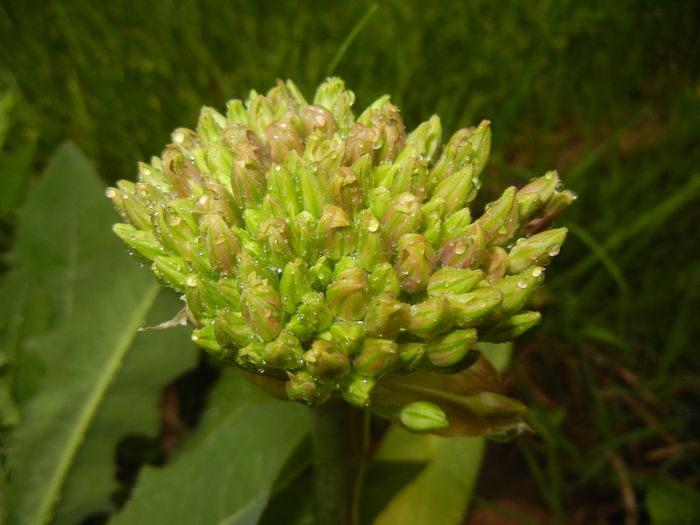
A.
x: 339, y: 434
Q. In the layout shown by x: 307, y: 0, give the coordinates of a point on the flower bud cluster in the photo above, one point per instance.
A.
x: 330, y: 251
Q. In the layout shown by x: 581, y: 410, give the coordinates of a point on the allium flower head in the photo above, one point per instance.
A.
x: 327, y: 254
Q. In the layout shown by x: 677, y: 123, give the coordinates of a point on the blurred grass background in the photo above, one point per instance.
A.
x: 606, y: 92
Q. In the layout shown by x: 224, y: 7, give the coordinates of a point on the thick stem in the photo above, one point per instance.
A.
x: 339, y: 433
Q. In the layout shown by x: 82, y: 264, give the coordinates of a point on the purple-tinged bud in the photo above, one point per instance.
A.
x: 457, y: 189
x: 533, y: 196
x: 378, y: 200
x: 511, y: 327
x: 171, y: 271
x: 359, y: 143
x: 247, y: 178
x: 217, y: 199
x: 402, y: 216
x: 357, y: 389
x: 371, y: 248
x: 347, y: 297
x: 518, y: 289
x: 453, y: 281
x: 426, y: 137
x: 335, y: 233
x: 415, y: 262
x: 295, y: 283
x: 333, y: 96
x: 431, y: 317
x: 385, y: 317
x: 410, y: 357
x: 466, y: 251
x: 383, y: 279
x: 182, y: 177
x: 411, y: 176
x: 495, y: 263
x: 456, y: 224
x: 392, y: 133
x: 252, y: 261
x: 432, y: 228
x: 474, y: 308
x: 423, y: 416
x: 143, y: 243
x: 554, y: 207
x: 272, y: 208
x: 222, y: 245
x: 346, y: 191
x: 276, y: 239
x: 479, y: 146
x: 500, y: 219
x: 316, y: 118
x: 376, y: 357
x: 304, y: 387
x: 312, y: 316
x: 232, y: 330
x: 536, y: 250
x: 130, y: 207
x: 325, y: 360
x: 262, y: 308
x: 205, y: 338
x: 347, y: 335
x: 449, y: 349
x: 304, y: 229
x: 251, y: 357
x: 284, y: 353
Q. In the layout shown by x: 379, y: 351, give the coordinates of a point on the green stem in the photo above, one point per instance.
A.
x: 339, y: 433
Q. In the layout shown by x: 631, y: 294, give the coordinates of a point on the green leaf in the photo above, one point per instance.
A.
x: 94, y: 297
x: 14, y: 178
x: 226, y: 473
x: 671, y: 502
x: 383, y: 480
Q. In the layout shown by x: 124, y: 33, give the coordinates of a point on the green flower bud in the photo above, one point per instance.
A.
x: 466, y: 251
x: 303, y: 386
x: 500, y: 219
x: 304, y: 230
x: 511, y: 327
x: 232, y: 330
x: 251, y: 357
x: 262, y: 308
x: 171, y: 230
x: 415, y: 262
x: 379, y: 200
x: 282, y: 139
x: 282, y: 185
x: 357, y: 389
x: 332, y: 95
x: 480, y: 146
x: 517, y: 289
x: 205, y: 338
x: 294, y: 284
x: 421, y: 416
x: 172, y: 271
x: 321, y: 274
x: 376, y: 357
x: 130, y: 207
x: 474, y: 308
x: 533, y: 196
x: 260, y: 112
x: 371, y: 248
x: 198, y: 304
x: 325, y: 360
x: 426, y: 137
x: 453, y: 281
x: 495, y: 263
x: 312, y: 316
x: 284, y: 353
x: 219, y: 160
x: 153, y: 174
x: 385, y: 316
x: 276, y: 239
x: 347, y: 335
x: 383, y: 279
x: 248, y: 181
x: 142, y: 242
x: 456, y: 224
x: 536, y: 250
x: 346, y: 191
x: 209, y: 126
x: 431, y: 317
x: 410, y: 357
x: 346, y: 297
x: 432, y: 228
x: 402, y: 216
x: 457, y: 189
x: 335, y: 233
x: 410, y: 175
x: 222, y: 245
x: 236, y: 113
x: 449, y: 349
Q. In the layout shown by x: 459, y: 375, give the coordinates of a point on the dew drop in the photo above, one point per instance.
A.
x: 536, y: 272
x: 553, y: 250
x: 522, y: 283
x: 110, y: 193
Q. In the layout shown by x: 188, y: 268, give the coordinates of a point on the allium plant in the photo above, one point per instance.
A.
x: 331, y: 257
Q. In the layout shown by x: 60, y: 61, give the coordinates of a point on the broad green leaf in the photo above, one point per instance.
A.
x: 94, y: 297
x: 383, y: 480
x: 671, y: 502
x: 226, y: 473
x: 14, y: 178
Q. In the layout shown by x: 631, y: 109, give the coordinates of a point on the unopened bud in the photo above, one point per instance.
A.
x: 402, y: 216
x: 383, y: 279
x: 346, y: 191
x: 457, y: 189
x: 431, y: 317
x: 517, y: 289
x: 500, y: 219
x: 371, y: 248
x: 357, y: 389
x: 495, y: 263
x: 421, y: 416
x: 304, y: 230
x: 453, y: 281
x: 284, y: 353
x: 142, y: 242
x: 385, y: 317
x: 312, y: 316
x: 206, y: 338
x: 222, y: 245
x: 511, y: 327
x: 295, y: 283
x: 415, y: 262
x: 472, y: 309
x: 304, y: 387
x: 447, y: 350
x: 232, y: 330
x: 326, y: 360
x: 335, y: 233
x: 171, y: 271
x: 426, y: 137
x: 376, y: 357
x: 533, y: 196
x: 316, y: 118
x: 410, y: 357
x: 536, y: 250
x: 466, y: 251
x: 262, y: 308
x: 346, y: 297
